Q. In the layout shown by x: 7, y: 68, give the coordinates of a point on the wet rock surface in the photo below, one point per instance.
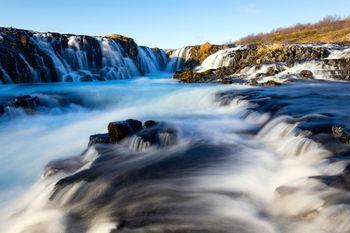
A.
x: 257, y: 55
x: 27, y: 103
x: 306, y: 74
x: 315, y: 119
x: 117, y: 131
x: 141, y: 136
x: 32, y: 57
x: 200, y: 52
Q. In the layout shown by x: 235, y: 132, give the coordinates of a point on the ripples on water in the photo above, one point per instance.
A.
x: 235, y: 168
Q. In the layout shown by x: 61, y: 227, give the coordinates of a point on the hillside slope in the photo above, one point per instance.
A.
x: 329, y: 30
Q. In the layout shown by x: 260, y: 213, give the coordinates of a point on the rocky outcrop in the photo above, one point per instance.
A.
x: 306, y: 74
x: 191, y: 56
x: 215, y: 75
x: 257, y: 55
x: 25, y: 61
x: 27, y: 103
x: 140, y: 136
x: 329, y: 128
x: 200, y: 52
x: 338, y: 68
x: 128, y: 44
x: 119, y: 130
x: 30, y: 57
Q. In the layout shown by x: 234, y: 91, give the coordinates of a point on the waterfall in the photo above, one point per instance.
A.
x: 115, y: 65
x: 5, y: 76
x: 61, y: 66
x: 52, y: 57
x: 177, y: 59
x: 219, y: 59
x: 34, y: 74
x: 147, y: 61
x: 340, y: 54
x: 151, y: 61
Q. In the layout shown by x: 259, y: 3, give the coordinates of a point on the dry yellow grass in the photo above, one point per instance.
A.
x: 330, y: 29
x: 119, y: 37
x: 269, y: 48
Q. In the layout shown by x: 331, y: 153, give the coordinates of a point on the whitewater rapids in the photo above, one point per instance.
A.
x: 233, y: 169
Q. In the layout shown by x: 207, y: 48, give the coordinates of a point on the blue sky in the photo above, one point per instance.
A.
x: 166, y: 23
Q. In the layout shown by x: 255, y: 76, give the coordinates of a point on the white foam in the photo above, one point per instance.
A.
x: 221, y: 58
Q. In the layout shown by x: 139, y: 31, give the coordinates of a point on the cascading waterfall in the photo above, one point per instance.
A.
x: 32, y: 72
x: 50, y: 57
x: 147, y: 60
x: 114, y: 63
x: 5, y: 75
x: 232, y: 169
x: 177, y: 58
x: 332, y: 65
x: 221, y: 58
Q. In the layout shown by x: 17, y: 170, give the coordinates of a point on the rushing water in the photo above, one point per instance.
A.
x: 232, y: 169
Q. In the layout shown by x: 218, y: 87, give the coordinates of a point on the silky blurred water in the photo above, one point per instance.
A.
x: 29, y: 142
x: 234, y: 169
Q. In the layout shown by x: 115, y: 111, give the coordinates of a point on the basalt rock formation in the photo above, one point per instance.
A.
x: 27, y: 103
x: 191, y: 56
x: 141, y: 136
x: 255, y: 55
x: 29, y: 57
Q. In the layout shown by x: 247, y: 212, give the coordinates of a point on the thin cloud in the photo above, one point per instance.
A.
x: 248, y: 9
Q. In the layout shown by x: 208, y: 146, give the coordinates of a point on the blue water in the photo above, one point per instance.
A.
x: 231, y: 168
x: 29, y: 142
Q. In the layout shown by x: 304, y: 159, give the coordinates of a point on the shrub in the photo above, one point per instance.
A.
x: 329, y: 29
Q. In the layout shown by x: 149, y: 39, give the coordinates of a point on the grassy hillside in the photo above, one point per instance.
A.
x: 330, y: 29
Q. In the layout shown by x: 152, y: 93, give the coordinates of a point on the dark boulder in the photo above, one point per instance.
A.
x: 271, y: 83
x: 99, y: 138
x: 26, y: 102
x: 338, y: 68
x: 340, y: 132
x: 271, y: 71
x: 121, y: 129
x: 152, y: 133
x: 341, y: 181
x: 160, y: 135
x: 306, y: 74
x: 149, y: 124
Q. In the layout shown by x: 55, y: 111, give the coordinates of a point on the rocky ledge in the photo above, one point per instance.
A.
x: 27, y: 103
x: 137, y: 135
x: 131, y: 135
x: 29, y: 57
x: 255, y: 62
x: 318, y: 123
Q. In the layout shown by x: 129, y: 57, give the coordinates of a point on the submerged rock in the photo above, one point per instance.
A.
x: 340, y: 132
x: 271, y: 83
x: 158, y: 135
x: 141, y: 137
x: 150, y: 124
x: 26, y: 102
x: 341, y: 181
